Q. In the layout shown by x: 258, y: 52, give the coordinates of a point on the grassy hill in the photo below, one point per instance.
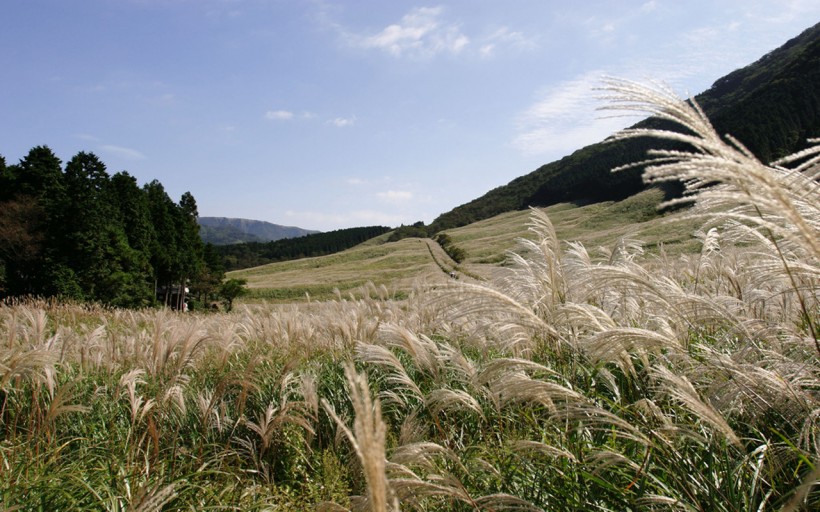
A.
x: 399, y: 266
x: 772, y: 106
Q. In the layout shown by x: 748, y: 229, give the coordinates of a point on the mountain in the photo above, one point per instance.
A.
x: 224, y: 230
x: 772, y: 106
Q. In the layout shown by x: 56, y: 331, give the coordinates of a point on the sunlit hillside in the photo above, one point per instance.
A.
x: 401, y: 266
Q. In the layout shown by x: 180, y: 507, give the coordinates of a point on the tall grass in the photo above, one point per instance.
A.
x: 581, y: 379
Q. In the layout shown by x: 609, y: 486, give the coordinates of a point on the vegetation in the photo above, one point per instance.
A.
x: 415, y: 230
x: 225, y: 230
x: 81, y: 234
x: 576, y: 380
x: 485, y: 245
x: 230, y: 290
x: 253, y: 254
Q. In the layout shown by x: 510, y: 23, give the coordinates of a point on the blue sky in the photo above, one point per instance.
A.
x: 329, y: 114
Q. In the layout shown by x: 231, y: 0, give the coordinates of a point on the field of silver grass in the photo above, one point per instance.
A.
x: 582, y: 379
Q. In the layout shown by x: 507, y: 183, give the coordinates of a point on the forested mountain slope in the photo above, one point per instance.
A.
x: 772, y: 106
x: 225, y: 230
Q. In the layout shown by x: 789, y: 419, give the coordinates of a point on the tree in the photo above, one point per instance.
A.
x: 207, y: 284
x: 191, y: 246
x: 164, y: 253
x: 22, y: 235
x: 31, y: 197
x: 230, y: 290
x: 133, y: 211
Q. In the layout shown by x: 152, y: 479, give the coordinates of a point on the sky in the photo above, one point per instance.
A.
x: 329, y: 114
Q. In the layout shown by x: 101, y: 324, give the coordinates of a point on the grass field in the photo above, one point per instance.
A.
x: 563, y: 379
x: 403, y: 265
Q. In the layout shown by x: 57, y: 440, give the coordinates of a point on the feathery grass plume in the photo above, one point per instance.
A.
x: 61, y: 404
x: 680, y: 389
x: 538, y: 281
x: 621, y: 344
x: 729, y: 184
x: 423, y: 351
x: 430, y: 460
x: 402, y: 386
x: 529, y: 447
x: 800, y: 497
x: 506, y: 381
x: 286, y: 412
x: 443, y: 399
x: 368, y: 440
x: 770, y: 386
x: 508, y: 324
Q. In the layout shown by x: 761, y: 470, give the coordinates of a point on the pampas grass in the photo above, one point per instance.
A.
x: 603, y: 378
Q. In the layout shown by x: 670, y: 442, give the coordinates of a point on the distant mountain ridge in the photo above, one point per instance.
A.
x: 772, y: 106
x: 226, y: 230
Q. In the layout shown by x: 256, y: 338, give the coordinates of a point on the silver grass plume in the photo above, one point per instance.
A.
x: 772, y: 204
x: 368, y: 440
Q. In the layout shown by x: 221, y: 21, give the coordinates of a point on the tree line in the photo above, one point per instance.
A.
x: 79, y: 233
x: 252, y: 254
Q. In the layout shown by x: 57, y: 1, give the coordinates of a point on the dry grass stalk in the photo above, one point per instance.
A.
x: 368, y: 440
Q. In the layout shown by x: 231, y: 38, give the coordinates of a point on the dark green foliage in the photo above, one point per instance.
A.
x: 771, y: 106
x: 226, y: 230
x: 225, y: 235
x: 416, y: 230
x: 319, y: 244
x: 456, y: 253
x: 230, y: 290
x: 85, y: 235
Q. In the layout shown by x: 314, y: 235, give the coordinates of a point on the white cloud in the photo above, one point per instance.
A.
x: 649, y: 6
x: 282, y: 115
x: 564, y: 119
x: 420, y: 33
x: 87, y: 137
x: 341, y: 122
x: 123, y: 152
x: 504, y: 37
x: 356, y: 181
x: 487, y: 50
x: 394, y: 196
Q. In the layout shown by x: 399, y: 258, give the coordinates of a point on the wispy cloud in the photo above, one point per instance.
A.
x: 280, y: 115
x: 122, y: 152
x: 504, y: 37
x: 564, y: 118
x: 394, y: 196
x: 420, y: 33
x: 649, y: 6
x: 341, y: 122
x: 87, y: 137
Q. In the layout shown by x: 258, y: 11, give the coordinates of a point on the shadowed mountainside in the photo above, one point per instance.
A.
x: 772, y: 106
x: 224, y: 230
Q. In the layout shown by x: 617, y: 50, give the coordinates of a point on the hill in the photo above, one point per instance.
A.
x: 224, y: 230
x: 772, y: 106
x: 253, y: 254
x: 398, y: 267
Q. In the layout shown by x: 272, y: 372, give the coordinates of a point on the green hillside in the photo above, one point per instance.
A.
x: 396, y: 268
x: 772, y: 106
x: 226, y: 230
